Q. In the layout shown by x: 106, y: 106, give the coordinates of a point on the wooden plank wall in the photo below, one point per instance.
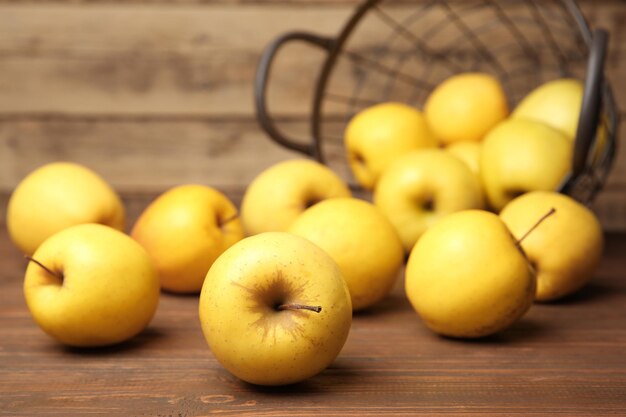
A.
x: 154, y: 93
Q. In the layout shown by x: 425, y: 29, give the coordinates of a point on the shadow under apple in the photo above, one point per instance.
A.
x: 145, y: 338
x: 525, y: 330
x: 338, y: 373
x: 391, y: 303
x: 590, y: 293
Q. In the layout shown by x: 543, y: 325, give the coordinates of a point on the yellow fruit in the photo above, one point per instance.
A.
x: 556, y: 103
x: 565, y: 249
x: 280, y: 193
x: 379, y: 134
x: 420, y: 188
x: 184, y: 230
x: 56, y: 196
x: 252, y: 315
x: 103, y: 288
x: 466, y: 277
x: 521, y: 155
x: 362, y: 242
x: 465, y: 107
x: 469, y: 153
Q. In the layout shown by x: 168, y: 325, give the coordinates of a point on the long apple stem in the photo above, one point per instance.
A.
x: 294, y: 306
x: 45, y: 268
x: 545, y: 216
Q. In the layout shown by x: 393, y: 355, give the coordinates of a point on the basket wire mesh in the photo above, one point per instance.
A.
x: 392, y: 50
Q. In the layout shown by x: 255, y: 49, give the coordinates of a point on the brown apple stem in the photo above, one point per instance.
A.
x: 294, y: 306
x: 45, y: 268
x: 545, y: 216
x: 227, y: 220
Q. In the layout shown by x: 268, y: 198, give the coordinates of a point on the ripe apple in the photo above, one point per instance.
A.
x: 184, y: 230
x: 465, y: 107
x: 56, y: 196
x: 275, y: 309
x: 280, y: 193
x: 91, y: 285
x: 466, y: 277
x: 521, y: 155
x: 556, y: 103
x: 469, y: 153
x: 362, y: 242
x: 379, y: 134
x: 564, y: 251
x: 421, y: 187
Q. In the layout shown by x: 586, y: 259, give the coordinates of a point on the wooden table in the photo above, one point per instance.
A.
x: 567, y: 358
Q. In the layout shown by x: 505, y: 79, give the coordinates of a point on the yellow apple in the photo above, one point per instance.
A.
x: 466, y: 277
x: 379, y: 134
x: 184, y: 230
x: 91, y: 285
x: 469, y: 153
x: 56, y: 196
x: 280, y: 193
x: 556, y: 103
x: 421, y: 187
x: 275, y: 309
x: 465, y: 107
x: 522, y: 155
x: 362, y: 242
x: 566, y: 250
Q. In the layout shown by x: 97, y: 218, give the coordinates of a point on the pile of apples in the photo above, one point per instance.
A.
x: 463, y: 189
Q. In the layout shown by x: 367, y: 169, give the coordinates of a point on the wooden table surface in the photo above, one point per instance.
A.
x: 567, y: 358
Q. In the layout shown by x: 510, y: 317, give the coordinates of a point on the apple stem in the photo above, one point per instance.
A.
x: 311, y: 202
x: 227, y: 220
x: 294, y: 306
x: 222, y: 223
x: 545, y: 216
x: 45, y: 268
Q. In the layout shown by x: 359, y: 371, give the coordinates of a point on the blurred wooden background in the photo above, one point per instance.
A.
x: 155, y: 93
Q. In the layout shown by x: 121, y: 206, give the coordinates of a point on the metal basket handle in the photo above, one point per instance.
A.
x: 260, y: 90
x: 592, y: 102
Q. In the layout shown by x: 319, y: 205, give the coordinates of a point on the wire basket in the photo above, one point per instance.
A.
x: 393, y: 50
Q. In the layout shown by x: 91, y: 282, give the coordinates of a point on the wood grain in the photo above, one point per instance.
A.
x: 150, y: 155
x: 152, y: 93
x: 156, y: 154
x: 585, y: 4
x: 565, y: 358
x: 157, y: 60
x: 178, y: 60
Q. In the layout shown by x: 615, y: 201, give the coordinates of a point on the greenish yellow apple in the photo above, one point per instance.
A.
x: 521, y: 155
x: 465, y: 107
x: 275, y: 309
x: 379, y: 134
x: 56, y: 196
x: 184, y: 230
x: 566, y: 250
x: 556, y: 103
x: 421, y: 187
x: 91, y: 285
x: 466, y: 277
x: 280, y: 193
x: 362, y: 242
